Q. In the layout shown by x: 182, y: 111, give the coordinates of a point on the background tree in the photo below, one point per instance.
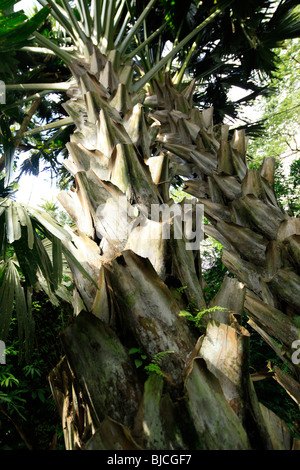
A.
x: 280, y: 115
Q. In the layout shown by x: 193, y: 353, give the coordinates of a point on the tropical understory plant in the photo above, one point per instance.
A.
x: 135, y: 128
x: 28, y: 418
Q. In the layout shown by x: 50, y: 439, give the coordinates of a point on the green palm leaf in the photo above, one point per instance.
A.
x: 22, y: 226
x: 7, y: 291
x: 12, y: 295
x: 16, y: 28
x: 7, y: 143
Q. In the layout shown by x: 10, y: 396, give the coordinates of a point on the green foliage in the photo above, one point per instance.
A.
x: 139, y: 356
x: 33, y: 369
x: 177, y: 193
x: 155, y: 365
x: 52, y: 208
x: 269, y: 392
x: 32, y: 256
x: 287, y: 188
x: 194, y: 315
x: 12, y: 295
x: 213, y: 269
x: 13, y: 402
x: 16, y: 28
x: 7, y: 379
x: 7, y: 143
x: 280, y: 112
x: 25, y: 395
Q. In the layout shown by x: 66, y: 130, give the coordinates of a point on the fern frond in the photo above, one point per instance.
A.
x: 155, y: 364
x: 198, y: 317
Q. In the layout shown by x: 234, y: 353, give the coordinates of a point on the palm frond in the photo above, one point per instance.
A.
x: 8, y: 149
x: 12, y: 295
x: 16, y: 28
x: 23, y: 228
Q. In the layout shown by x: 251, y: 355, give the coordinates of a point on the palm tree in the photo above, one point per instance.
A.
x: 136, y: 128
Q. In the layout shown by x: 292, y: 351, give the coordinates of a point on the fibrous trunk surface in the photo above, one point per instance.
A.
x: 124, y: 152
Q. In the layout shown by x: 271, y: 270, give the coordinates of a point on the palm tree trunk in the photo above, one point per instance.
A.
x: 261, y: 243
x: 123, y: 160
